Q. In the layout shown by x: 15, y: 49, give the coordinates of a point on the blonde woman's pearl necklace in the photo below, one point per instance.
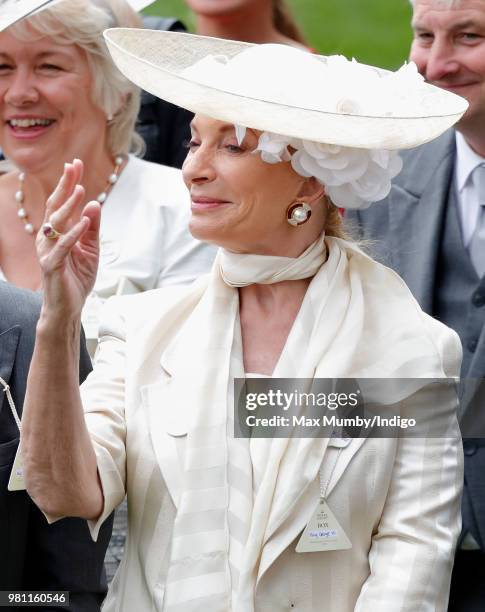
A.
x: 20, y: 195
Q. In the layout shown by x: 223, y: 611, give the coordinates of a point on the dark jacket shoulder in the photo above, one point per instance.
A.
x: 18, y: 306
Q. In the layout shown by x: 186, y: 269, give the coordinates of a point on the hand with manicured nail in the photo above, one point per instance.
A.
x: 69, y: 262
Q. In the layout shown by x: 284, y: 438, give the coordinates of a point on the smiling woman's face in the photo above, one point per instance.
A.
x: 238, y: 200
x: 46, y: 110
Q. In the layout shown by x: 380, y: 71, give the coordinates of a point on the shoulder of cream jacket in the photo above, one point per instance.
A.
x: 398, y: 500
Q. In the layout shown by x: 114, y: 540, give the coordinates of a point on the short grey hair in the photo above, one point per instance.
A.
x: 81, y: 23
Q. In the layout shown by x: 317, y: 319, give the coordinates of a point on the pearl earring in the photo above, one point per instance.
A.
x: 298, y: 213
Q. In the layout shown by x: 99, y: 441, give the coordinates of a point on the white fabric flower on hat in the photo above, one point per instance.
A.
x: 331, y: 164
x: 373, y: 185
x: 274, y: 147
x: 353, y: 178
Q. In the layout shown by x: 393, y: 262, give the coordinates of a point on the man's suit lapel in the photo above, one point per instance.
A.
x: 416, y: 207
x: 476, y: 370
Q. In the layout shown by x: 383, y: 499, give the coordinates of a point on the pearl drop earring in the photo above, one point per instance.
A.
x: 298, y: 213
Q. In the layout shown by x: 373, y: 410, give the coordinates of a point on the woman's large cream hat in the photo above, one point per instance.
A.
x: 12, y: 11
x: 280, y: 89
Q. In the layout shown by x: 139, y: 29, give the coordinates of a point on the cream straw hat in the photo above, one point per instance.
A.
x: 12, y: 11
x: 280, y: 89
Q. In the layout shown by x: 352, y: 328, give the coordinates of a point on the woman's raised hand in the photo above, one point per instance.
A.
x: 69, y: 259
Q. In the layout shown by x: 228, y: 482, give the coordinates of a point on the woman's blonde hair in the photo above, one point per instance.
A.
x: 81, y: 23
x: 334, y: 225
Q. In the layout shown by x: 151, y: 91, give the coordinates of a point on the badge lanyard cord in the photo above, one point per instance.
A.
x: 324, y: 485
x: 6, y: 390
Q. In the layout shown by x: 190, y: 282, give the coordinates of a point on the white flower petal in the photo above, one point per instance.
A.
x: 318, y: 149
x: 240, y: 133
x: 297, y: 166
x: 381, y: 157
x: 344, y: 197
x: 395, y: 164
x: 269, y: 157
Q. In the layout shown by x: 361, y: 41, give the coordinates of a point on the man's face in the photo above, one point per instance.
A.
x: 449, y: 50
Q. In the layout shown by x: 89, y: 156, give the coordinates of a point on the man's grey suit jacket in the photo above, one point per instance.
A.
x: 33, y: 554
x: 404, y: 232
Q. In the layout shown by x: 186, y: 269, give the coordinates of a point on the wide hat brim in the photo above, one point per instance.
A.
x: 139, y: 5
x: 154, y: 60
x: 12, y: 11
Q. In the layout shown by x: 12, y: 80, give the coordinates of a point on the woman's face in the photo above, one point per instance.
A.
x: 46, y: 110
x: 238, y: 200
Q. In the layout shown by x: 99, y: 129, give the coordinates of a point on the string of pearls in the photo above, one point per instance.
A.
x: 101, y: 198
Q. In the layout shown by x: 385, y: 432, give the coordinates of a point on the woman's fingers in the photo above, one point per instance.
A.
x: 70, y: 211
x: 69, y: 250
x: 78, y: 169
x: 92, y: 211
x: 63, y: 246
x: 84, y: 234
x: 64, y: 206
x: 71, y: 176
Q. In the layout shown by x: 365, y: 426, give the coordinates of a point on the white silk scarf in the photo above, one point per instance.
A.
x: 235, y: 491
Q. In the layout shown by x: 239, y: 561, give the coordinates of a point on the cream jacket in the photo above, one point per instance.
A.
x: 397, y: 500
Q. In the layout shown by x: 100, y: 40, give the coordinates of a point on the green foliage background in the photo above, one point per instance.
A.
x: 372, y: 31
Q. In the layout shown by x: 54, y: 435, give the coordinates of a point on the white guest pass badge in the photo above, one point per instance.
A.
x: 323, y: 531
x: 16, y: 480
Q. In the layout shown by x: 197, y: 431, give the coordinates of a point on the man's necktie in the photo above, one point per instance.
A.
x: 476, y: 248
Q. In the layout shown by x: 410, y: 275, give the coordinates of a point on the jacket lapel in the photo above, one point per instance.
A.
x: 281, y: 533
x: 170, y: 399
x: 416, y: 208
x: 167, y: 429
x: 9, y: 340
x: 476, y: 370
x: 159, y: 356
